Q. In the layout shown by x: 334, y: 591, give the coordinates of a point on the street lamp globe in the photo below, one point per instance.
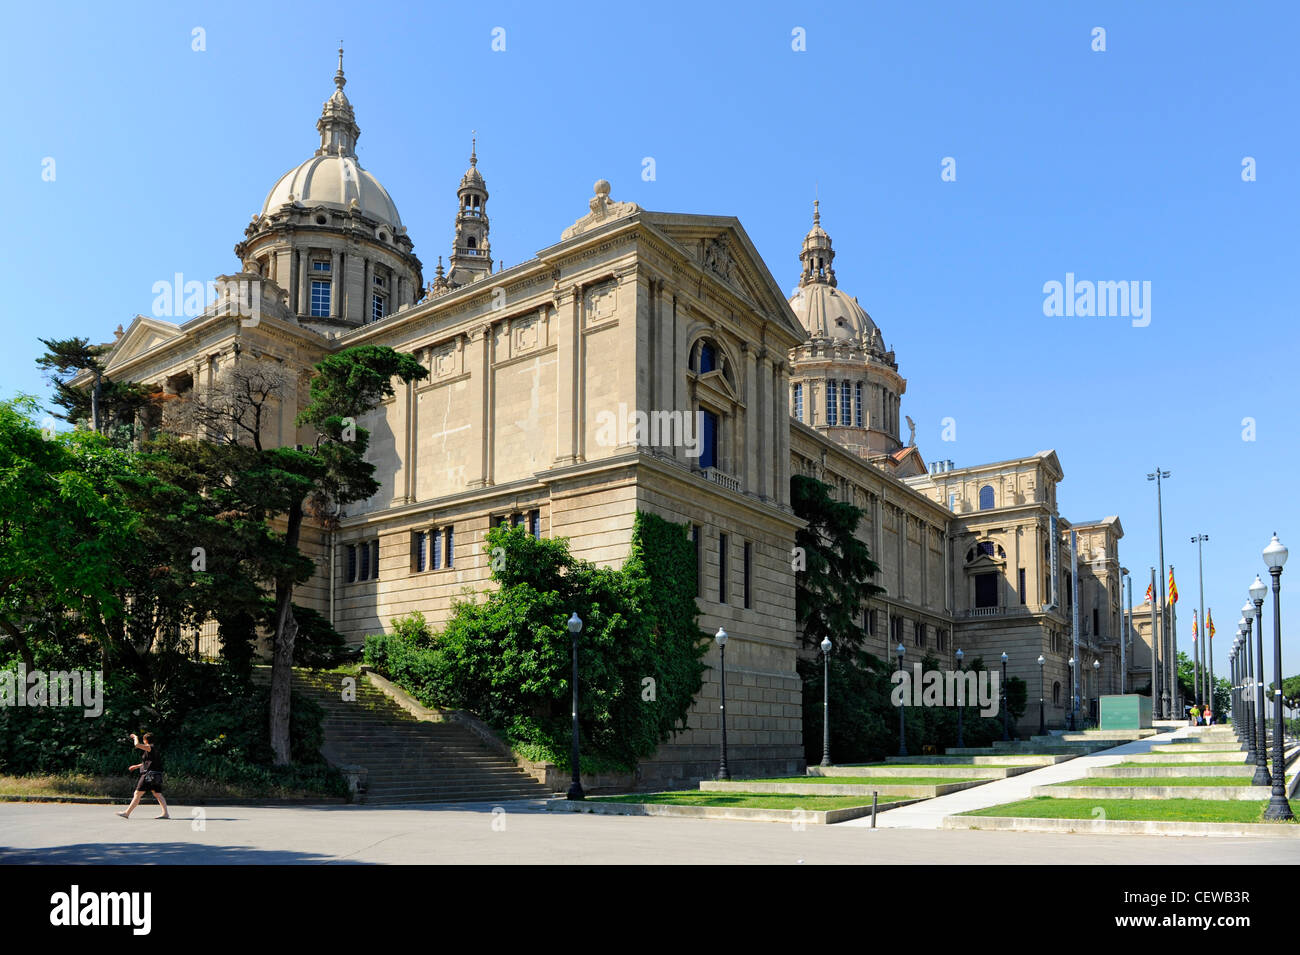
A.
x: 575, y: 624
x: 1004, y: 657
x: 1096, y: 664
x: 900, y: 649
x: 721, y: 637
x: 826, y: 644
x: 1258, y: 590
x: 1275, y: 554
x: 959, y: 655
x: 1041, y: 660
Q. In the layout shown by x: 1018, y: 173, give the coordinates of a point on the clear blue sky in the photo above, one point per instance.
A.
x: 1115, y: 165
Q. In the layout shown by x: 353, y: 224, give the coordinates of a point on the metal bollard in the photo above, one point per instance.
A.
x: 874, y: 794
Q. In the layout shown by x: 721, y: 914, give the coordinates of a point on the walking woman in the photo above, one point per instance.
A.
x: 151, y: 776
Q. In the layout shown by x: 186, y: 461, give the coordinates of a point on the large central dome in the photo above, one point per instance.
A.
x: 333, y: 177
x: 826, y: 312
x: 335, y: 182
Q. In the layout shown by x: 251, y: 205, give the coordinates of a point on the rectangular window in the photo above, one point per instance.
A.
x: 857, y: 404
x: 364, y: 572
x: 535, y: 524
x: 419, y: 550
x: 832, y: 403
x: 986, y: 590
x: 709, y: 445
x: 919, y: 630
x: 320, y: 265
x: 844, y: 404
x: 381, y: 281
x: 449, y: 551
x: 749, y: 573
x: 378, y: 307
x: 722, y: 568
x: 320, y: 298
x: 517, y: 519
x: 435, y: 536
x: 374, y: 559
x: 1022, y: 585
x: 798, y: 402
x: 352, y: 563
x: 695, y: 538
x: 1096, y: 621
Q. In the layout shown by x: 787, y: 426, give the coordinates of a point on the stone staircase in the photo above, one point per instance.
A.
x: 408, y: 760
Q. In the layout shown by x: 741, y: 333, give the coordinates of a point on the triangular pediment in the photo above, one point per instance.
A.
x: 144, y: 335
x: 722, y: 249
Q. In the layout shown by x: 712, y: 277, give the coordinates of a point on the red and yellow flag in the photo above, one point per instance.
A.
x: 1150, y: 595
x: 1193, y: 626
x: 1173, y: 587
x: 1209, y: 623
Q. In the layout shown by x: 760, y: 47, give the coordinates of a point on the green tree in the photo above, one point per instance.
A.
x: 322, y: 479
x: 832, y: 567
x: 508, y: 659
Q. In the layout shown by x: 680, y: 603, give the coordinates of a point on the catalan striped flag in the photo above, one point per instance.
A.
x: 1193, y: 626
x: 1150, y: 595
x: 1173, y: 587
x: 1209, y: 622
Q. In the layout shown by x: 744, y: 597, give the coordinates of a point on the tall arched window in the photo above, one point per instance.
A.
x: 1056, y: 693
x: 986, y: 497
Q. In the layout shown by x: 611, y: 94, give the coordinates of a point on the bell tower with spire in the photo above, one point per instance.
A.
x: 817, y: 254
x: 471, y: 253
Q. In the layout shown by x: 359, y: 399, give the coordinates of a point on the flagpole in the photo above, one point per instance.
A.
x: 1164, y: 606
x: 1175, y: 689
x: 1126, y: 583
x: 1157, y: 672
x: 1209, y: 655
x: 1203, y: 650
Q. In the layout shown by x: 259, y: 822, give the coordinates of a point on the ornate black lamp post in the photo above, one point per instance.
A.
x: 1232, y: 675
x: 1262, y: 777
x: 1096, y: 685
x: 721, y: 638
x: 1247, y: 689
x: 902, y: 710
x: 1274, y: 557
x: 962, y: 707
x: 575, y: 788
x: 1072, y: 696
x: 1005, y: 735
x: 1042, y: 691
x: 826, y: 701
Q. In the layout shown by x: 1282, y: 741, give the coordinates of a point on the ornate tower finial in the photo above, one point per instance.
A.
x: 471, y: 252
x: 337, y: 124
x: 817, y: 256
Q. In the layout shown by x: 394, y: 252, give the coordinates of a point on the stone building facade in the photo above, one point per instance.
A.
x: 537, y: 376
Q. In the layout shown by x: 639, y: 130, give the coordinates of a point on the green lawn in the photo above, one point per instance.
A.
x: 964, y: 764
x: 1246, y: 768
x: 745, y: 800
x: 869, y: 780
x: 1161, y: 810
x: 1158, y: 781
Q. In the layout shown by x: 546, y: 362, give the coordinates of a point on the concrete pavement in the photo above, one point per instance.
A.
x: 523, y: 833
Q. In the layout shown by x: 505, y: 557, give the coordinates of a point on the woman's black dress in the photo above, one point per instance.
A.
x: 151, y: 772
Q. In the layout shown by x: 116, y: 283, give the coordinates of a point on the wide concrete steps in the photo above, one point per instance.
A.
x: 408, y: 760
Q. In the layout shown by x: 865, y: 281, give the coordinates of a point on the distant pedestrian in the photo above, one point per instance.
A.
x: 151, y: 776
x: 1194, y: 716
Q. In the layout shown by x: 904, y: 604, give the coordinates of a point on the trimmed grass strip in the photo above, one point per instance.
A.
x: 747, y: 800
x: 1137, y: 810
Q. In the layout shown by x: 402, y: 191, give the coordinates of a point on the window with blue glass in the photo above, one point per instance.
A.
x: 708, y: 358
x: 320, y: 298
x: 798, y: 402
x: 845, y: 410
x: 709, y: 441
x: 832, y: 403
x: 857, y: 404
x: 986, y: 497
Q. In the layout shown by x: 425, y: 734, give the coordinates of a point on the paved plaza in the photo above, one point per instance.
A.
x: 525, y: 833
